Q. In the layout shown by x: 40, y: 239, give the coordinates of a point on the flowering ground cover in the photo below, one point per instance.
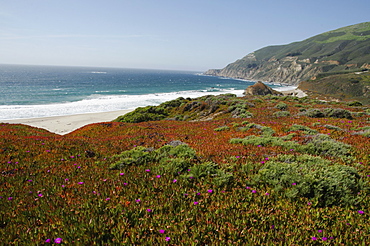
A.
x: 240, y: 175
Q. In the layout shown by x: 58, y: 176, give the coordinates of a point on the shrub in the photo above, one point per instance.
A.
x: 265, y: 141
x: 281, y: 106
x: 222, y: 128
x: 210, y: 172
x: 319, y: 144
x: 333, y: 127
x: 281, y: 114
x: 324, y: 145
x: 312, y: 177
x: 173, y: 103
x: 313, y: 113
x: 141, y: 155
x: 305, y: 129
x: 267, y: 131
x: 136, y: 156
x: 150, y: 113
x: 328, y: 112
x: 175, y: 166
x: 354, y: 104
x: 337, y: 113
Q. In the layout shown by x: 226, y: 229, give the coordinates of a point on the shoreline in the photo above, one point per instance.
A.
x: 68, y: 123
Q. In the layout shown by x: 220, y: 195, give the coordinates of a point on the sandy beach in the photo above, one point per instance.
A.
x: 66, y: 124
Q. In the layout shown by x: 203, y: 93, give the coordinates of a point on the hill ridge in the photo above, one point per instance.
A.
x: 343, y: 49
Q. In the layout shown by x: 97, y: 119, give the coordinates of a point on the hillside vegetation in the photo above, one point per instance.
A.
x: 216, y: 170
x: 343, y: 49
x: 339, y: 86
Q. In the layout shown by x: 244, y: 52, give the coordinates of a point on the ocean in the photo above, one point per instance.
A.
x: 42, y: 91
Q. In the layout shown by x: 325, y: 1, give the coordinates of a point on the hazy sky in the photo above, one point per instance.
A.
x: 161, y: 34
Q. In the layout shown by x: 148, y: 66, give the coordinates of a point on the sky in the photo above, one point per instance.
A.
x: 193, y: 35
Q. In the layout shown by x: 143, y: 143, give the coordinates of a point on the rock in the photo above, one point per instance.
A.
x: 260, y: 88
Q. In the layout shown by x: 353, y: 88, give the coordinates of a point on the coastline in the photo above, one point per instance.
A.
x: 68, y: 123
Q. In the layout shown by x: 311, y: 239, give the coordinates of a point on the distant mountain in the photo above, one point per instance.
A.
x: 344, y: 49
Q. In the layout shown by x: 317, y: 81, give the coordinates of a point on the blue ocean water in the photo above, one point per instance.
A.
x: 42, y: 91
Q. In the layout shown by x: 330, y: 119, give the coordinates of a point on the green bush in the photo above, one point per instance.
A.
x: 324, y: 145
x: 265, y: 141
x: 141, y: 155
x: 209, y: 172
x: 327, y: 112
x: 354, y: 104
x: 222, y: 128
x: 319, y: 144
x: 333, y: 127
x: 312, y: 177
x: 267, y: 131
x: 305, y: 129
x: 175, y: 166
x: 150, y: 113
x: 313, y: 113
x: 136, y: 156
x: 281, y: 114
x: 337, y: 113
x: 281, y: 106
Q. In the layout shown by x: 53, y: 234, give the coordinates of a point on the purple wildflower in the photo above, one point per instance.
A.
x: 174, y: 181
x: 162, y: 231
x: 254, y: 191
x: 196, y: 203
x: 121, y: 174
x: 47, y: 240
x: 324, y: 238
x: 58, y: 240
x: 149, y: 210
x: 147, y: 170
x: 81, y: 183
x: 294, y: 183
x: 168, y: 239
x: 314, y: 238
x: 209, y: 191
x: 361, y: 212
x: 158, y: 176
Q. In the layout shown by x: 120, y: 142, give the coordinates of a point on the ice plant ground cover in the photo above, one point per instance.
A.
x: 72, y: 189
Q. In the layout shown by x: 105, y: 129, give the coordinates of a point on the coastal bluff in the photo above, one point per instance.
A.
x: 344, y: 49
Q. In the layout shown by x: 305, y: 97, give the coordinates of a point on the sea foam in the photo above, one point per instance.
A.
x: 101, y: 103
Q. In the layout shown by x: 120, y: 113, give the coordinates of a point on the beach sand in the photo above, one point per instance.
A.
x: 66, y: 124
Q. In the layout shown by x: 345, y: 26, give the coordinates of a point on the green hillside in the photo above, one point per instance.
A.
x: 348, y: 86
x: 343, y: 49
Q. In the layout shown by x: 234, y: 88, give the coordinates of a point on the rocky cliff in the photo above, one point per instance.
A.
x: 344, y: 49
